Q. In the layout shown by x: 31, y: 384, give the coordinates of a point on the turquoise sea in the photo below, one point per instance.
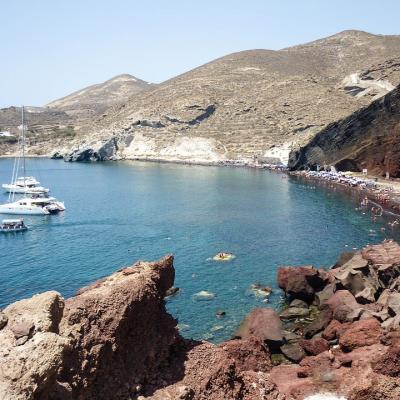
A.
x: 120, y: 212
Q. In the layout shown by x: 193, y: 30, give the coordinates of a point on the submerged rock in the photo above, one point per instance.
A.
x: 261, y: 291
x: 203, y: 295
x: 172, y: 291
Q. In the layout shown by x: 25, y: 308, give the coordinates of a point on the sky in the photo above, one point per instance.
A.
x: 50, y: 48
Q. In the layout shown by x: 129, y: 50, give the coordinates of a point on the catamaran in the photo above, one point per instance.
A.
x: 38, y: 203
x: 24, y: 185
x: 33, y: 206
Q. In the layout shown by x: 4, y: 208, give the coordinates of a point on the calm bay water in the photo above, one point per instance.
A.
x: 118, y: 213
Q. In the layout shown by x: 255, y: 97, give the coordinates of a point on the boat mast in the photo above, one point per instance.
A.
x: 23, y: 144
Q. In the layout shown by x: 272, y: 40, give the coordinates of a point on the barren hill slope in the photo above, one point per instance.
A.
x: 93, y: 100
x: 256, y: 102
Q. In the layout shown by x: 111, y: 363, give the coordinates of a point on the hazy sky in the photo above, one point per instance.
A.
x: 50, y: 48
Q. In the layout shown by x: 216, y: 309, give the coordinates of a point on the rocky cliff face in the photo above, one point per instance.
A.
x: 99, y: 344
x: 257, y: 102
x: 368, y: 138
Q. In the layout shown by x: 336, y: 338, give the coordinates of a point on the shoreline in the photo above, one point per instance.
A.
x: 379, y: 196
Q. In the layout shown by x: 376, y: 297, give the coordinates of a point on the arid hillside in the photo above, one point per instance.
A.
x: 246, y: 104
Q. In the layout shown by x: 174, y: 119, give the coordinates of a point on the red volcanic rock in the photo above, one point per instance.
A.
x: 342, y: 303
x: 120, y: 331
x: 249, y: 354
x: 314, y: 346
x: 208, y: 372
x: 31, y: 351
x: 263, y: 323
x: 294, y: 352
x: 377, y: 388
x: 383, y: 254
x: 334, y: 330
x: 300, y: 282
x: 389, y: 362
x: 361, y: 333
x: 319, y: 324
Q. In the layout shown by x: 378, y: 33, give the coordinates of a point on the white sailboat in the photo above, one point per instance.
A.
x: 23, y: 184
x: 38, y: 203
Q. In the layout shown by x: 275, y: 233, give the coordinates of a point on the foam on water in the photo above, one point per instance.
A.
x: 325, y: 396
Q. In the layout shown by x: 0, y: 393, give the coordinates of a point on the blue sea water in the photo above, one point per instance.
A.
x: 120, y: 212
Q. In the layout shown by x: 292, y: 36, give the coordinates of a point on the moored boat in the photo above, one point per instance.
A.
x: 13, y: 225
x: 36, y: 201
x: 26, y: 206
x: 20, y: 187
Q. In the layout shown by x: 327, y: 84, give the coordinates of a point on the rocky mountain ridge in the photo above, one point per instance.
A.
x: 114, y: 340
x: 252, y: 103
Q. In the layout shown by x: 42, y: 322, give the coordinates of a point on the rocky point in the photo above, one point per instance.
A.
x: 339, y: 335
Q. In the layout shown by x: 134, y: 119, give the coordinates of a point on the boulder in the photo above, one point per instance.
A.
x: 314, y: 346
x: 3, y: 320
x: 294, y: 352
x: 40, y: 313
x: 342, y: 303
x: 300, y: 282
x: 360, y: 333
x: 334, y: 330
x: 249, y: 354
x: 325, y: 294
x: 294, y: 313
x: 31, y: 351
x: 263, y: 323
x: 297, y: 303
x: 343, y: 259
x: 320, y: 322
x: 291, y: 337
x: 393, y: 303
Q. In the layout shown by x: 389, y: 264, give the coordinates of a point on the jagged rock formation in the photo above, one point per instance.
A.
x: 252, y: 103
x: 368, y: 138
x: 99, y: 344
x: 96, y: 99
x: 115, y: 340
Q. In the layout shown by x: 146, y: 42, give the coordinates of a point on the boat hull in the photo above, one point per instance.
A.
x: 23, y: 189
x: 3, y: 230
x: 12, y: 210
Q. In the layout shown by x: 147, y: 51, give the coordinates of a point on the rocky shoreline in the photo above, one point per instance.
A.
x: 340, y: 334
x: 377, y: 199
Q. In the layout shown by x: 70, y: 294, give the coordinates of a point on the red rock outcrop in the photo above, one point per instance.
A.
x: 114, y: 340
x: 97, y: 345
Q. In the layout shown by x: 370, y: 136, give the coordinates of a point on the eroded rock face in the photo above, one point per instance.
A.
x: 113, y: 322
x: 202, y: 371
x: 369, y: 138
x: 31, y: 351
x: 96, y: 345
